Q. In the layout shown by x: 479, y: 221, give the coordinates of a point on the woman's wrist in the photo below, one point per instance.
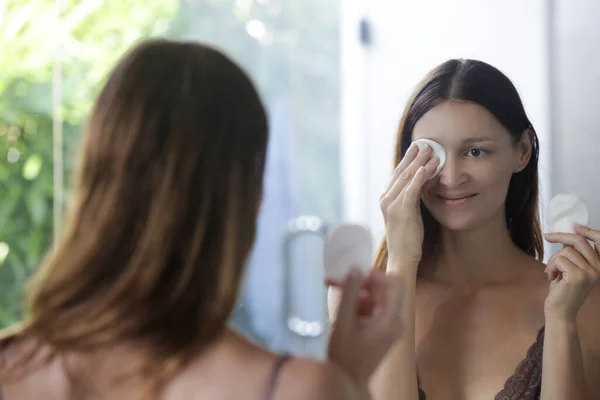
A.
x: 562, y: 323
x: 354, y: 388
x: 359, y: 383
x: 402, y: 267
x: 559, y: 319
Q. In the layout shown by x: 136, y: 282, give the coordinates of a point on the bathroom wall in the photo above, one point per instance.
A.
x: 575, y: 101
x: 408, y: 38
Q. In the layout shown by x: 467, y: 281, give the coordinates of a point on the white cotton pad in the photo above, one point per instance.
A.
x: 438, y: 151
x: 565, y: 210
x: 347, y: 246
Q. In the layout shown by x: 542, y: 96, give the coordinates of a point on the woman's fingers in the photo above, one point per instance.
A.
x: 590, y: 234
x: 408, y: 158
x: 378, y: 293
x: 579, y: 243
x: 574, y: 257
x: 432, y: 165
x: 412, y: 193
x: 377, y: 287
x: 364, y: 304
x: 560, y: 265
x: 350, y: 297
x: 387, y: 293
x: 405, y: 176
x: 333, y: 283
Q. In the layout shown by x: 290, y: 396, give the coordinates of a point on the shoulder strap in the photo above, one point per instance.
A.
x: 422, y: 395
x: 273, y: 376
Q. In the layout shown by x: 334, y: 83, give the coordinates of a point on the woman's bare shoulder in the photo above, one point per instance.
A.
x: 18, y: 350
x: 297, y: 378
x: 29, y: 369
x: 533, y: 280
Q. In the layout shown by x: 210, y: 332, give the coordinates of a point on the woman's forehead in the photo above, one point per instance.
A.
x: 452, y: 123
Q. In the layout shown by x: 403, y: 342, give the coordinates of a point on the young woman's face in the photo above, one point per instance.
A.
x: 481, y: 159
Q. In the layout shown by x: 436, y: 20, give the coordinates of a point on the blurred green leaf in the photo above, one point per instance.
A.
x: 95, y: 34
x: 32, y: 167
x: 4, y: 250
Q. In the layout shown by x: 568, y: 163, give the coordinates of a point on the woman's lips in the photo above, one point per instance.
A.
x: 456, y: 200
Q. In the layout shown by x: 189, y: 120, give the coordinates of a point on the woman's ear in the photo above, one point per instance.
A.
x: 524, y: 148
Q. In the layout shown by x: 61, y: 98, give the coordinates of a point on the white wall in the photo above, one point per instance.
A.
x: 576, y: 121
x: 409, y: 39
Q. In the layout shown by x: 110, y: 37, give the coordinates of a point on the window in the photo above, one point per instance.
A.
x: 54, y: 61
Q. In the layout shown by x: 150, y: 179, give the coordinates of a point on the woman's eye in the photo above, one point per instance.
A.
x: 475, y: 153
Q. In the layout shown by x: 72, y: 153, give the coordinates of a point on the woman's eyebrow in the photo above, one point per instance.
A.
x: 478, y: 139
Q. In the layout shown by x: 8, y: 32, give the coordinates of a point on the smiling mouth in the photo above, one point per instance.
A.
x: 454, y: 201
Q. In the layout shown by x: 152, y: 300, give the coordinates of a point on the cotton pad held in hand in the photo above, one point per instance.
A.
x: 438, y: 151
x: 347, y: 246
x: 565, y: 210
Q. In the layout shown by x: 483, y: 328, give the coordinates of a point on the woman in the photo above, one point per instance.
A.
x: 482, y: 319
x: 134, y: 301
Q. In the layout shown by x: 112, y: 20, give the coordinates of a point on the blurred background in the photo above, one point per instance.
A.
x: 334, y: 75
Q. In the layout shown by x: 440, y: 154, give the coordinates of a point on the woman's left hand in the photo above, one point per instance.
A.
x: 573, y: 271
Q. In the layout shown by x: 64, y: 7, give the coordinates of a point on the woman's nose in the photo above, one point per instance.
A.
x: 452, y: 175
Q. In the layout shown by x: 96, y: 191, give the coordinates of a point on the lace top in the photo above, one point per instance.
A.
x: 526, y: 382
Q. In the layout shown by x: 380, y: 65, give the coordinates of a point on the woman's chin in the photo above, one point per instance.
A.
x: 458, y: 223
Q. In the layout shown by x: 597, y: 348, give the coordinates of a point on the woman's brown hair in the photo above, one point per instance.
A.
x: 480, y: 83
x: 164, y: 211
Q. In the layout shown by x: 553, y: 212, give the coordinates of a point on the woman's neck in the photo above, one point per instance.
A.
x: 479, y: 256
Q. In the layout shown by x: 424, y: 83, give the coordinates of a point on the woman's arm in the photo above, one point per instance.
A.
x: 400, y: 360
x: 396, y: 377
x: 563, y: 375
x: 587, y: 370
x: 368, y: 321
x: 574, y: 273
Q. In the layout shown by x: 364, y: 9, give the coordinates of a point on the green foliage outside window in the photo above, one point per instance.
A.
x: 299, y: 68
x: 93, y: 35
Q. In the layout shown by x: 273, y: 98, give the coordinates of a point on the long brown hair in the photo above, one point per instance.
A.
x: 165, y: 208
x: 480, y: 83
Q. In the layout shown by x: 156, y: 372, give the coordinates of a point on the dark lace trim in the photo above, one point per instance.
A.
x: 526, y: 382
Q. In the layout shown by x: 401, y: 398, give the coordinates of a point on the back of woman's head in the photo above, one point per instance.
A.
x: 476, y: 82
x: 164, y: 210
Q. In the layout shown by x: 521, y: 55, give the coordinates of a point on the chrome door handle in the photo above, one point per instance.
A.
x: 297, y: 227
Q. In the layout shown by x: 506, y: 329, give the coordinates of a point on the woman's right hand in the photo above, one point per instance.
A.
x: 400, y: 205
x: 368, y: 322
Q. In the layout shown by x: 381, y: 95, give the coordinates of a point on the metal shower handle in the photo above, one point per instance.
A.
x: 296, y: 227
